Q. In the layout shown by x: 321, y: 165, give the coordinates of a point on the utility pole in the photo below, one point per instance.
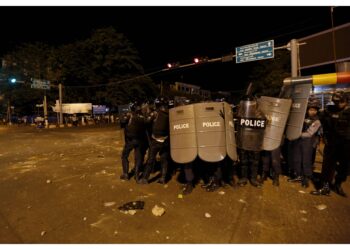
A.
x: 60, y: 103
x: 45, y: 111
x: 294, y: 56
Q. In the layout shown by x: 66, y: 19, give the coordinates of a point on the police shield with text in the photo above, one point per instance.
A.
x: 250, y: 136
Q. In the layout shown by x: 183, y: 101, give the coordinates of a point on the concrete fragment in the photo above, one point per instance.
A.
x: 158, y: 211
x: 207, y: 215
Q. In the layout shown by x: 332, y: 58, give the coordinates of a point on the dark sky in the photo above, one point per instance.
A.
x: 165, y: 34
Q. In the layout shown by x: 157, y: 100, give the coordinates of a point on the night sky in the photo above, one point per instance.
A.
x: 167, y: 34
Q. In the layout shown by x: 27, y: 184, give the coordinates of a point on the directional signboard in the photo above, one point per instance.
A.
x: 255, y: 51
x: 40, y: 84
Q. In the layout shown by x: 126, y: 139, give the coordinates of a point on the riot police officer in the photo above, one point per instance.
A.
x: 159, y: 141
x: 133, y: 123
x: 336, y: 131
x: 304, y: 146
x: 250, y: 135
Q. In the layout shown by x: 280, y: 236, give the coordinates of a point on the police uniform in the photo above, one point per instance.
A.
x: 250, y: 136
x: 303, y: 148
x: 159, y: 142
x: 336, y: 130
x: 135, y: 138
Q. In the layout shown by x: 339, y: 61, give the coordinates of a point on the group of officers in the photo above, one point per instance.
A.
x: 146, y: 129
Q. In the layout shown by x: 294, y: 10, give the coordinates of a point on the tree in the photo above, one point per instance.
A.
x: 268, y: 75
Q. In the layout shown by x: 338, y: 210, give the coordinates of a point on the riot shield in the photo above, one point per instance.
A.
x: 251, y: 126
x: 183, y: 141
x: 210, y: 130
x: 300, y: 95
x: 276, y: 111
x: 230, y: 132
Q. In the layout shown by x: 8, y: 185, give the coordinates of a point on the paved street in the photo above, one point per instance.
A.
x: 62, y: 186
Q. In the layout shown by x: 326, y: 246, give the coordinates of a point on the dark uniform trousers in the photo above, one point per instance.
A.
x: 163, y: 149
x: 139, y: 150
x: 274, y: 158
x: 249, y: 159
x: 336, y: 150
x: 301, y: 158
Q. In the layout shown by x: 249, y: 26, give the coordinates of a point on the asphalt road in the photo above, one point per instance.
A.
x: 62, y: 186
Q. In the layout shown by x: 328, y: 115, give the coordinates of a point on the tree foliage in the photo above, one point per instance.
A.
x: 97, y: 69
x: 268, y: 75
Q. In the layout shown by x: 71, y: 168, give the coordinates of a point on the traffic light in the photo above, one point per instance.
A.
x: 12, y: 80
x: 173, y: 65
x: 200, y: 59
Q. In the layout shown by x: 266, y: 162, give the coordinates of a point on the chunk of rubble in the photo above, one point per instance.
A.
x: 321, y: 207
x: 207, y: 215
x: 302, y: 211
x: 132, y: 212
x: 242, y: 201
x: 158, y: 211
x: 222, y: 192
x: 43, y: 233
x: 109, y: 204
x: 48, y: 181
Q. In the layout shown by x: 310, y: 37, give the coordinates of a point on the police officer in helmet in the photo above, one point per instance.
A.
x: 159, y: 141
x: 250, y: 135
x: 336, y: 132
x: 133, y: 123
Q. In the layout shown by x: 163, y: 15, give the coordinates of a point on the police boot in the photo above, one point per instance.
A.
x: 215, y: 184
x: 124, y: 177
x: 263, y: 176
x: 209, y: 183
x: 339, y: 190
x: 242, y: 182
x: 295, y: 179
x: 162, y: 179
x: 325, y: 190
x: 276, y: 180
x: 254, y: 182
x: 187, y: 189
x: 305, y: 182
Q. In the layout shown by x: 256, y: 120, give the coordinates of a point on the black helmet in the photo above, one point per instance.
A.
x: 160, y: 101
x: 313, y: 102
x: 135, y: 106
x: 339, y: 96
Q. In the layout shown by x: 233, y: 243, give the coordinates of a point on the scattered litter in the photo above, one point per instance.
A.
x: 180, y: 196
x: 321, y: 206
x: 157, y: 232
x: 158, y: 211
x: 207, y: 215
x: 132, y: 212
x: 167, y: 237
x: 109, y: 204
x: 131, y: 206
x: 302, y: 211
x: 304, y: 219
x: 302, y: 192
x: 43, y: 233
x: 84, y: 219
x: 222, y: 192
x: 48, y: 181
x: 242, y: 201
